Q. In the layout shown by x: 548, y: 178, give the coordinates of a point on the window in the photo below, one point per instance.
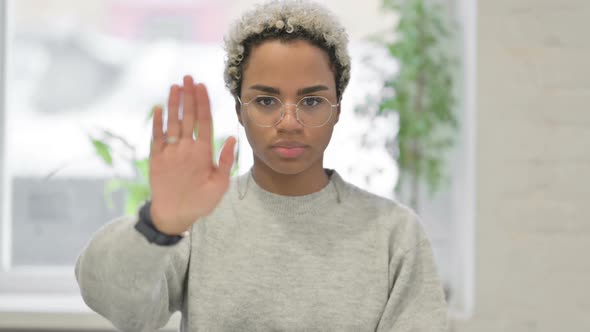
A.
x: 74, y: 69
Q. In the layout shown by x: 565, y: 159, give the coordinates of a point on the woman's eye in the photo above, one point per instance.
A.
x: 265, y: 101
x: 312, y: 101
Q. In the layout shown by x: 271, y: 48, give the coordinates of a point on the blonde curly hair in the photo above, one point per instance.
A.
x: 286, y: 20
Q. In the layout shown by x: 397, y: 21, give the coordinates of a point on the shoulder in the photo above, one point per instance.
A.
x: 362, y: 199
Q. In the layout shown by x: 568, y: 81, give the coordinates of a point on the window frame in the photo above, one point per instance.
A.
x: 464, y: 193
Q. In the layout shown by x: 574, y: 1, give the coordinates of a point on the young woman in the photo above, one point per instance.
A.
x: 288, y: 246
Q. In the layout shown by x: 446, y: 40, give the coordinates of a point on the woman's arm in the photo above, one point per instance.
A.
x: 416, y: 300
x: 131, y: 282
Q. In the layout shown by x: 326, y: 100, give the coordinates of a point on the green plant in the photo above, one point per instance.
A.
x: 421, y: 94
x: 137, y: 189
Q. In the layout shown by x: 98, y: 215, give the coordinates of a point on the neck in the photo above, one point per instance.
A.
x: 309, y: 181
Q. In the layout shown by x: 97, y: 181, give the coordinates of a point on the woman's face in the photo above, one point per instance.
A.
x: 289, y: 71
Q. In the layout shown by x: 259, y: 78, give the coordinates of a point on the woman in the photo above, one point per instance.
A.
x: 287, y: 246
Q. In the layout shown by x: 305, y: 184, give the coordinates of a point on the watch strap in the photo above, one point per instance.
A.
x: 146, y: 227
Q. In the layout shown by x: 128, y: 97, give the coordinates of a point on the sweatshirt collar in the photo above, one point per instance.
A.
x: 314, y: 203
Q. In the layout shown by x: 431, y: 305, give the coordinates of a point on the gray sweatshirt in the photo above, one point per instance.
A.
x: 340, y: 259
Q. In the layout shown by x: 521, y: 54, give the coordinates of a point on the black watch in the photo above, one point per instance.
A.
x: 146, y: 227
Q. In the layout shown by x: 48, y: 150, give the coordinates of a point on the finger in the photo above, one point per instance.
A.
x: 157, y: 131
x: 188, y: 107
x: 173, y: 127
x: 188, y: 115
x: 226, y: 158
x: 203, y: 113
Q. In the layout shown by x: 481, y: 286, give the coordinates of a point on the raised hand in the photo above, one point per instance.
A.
x: 185, y: 183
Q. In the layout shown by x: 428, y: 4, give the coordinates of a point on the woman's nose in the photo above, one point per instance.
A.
x: 289, y: 119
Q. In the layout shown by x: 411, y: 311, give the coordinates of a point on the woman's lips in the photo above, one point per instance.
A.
x: 285, y: 152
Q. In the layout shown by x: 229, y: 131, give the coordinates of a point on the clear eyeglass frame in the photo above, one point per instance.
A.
x: 282, y: 109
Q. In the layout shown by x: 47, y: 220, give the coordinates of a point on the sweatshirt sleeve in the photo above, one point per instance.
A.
x: 416, y: 300
x: 135, y: 284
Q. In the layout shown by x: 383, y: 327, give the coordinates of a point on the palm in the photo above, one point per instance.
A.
x: 185, y: 183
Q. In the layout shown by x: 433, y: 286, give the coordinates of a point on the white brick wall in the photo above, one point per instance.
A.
x: 533, y: 167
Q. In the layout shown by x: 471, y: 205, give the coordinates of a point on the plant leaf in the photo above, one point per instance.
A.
x: 103, y: 150
x: 143, y: 166
x: 136, y: 195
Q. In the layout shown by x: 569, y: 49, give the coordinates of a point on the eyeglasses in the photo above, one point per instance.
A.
x: 268, y: 111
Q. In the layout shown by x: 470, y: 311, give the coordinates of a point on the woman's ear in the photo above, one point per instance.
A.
x: 337, y: 114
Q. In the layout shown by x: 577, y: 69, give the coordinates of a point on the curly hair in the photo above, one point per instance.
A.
x: 286, y: 20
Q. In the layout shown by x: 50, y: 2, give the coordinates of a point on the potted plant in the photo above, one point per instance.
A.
x: 421, y: 94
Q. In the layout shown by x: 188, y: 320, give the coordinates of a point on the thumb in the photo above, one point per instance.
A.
x: 226, y: 158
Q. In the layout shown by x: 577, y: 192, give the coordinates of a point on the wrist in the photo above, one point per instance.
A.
x: 163, y: 227
x: 146, y: 227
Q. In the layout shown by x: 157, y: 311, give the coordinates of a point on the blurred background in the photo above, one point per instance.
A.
x: 500, y: 176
